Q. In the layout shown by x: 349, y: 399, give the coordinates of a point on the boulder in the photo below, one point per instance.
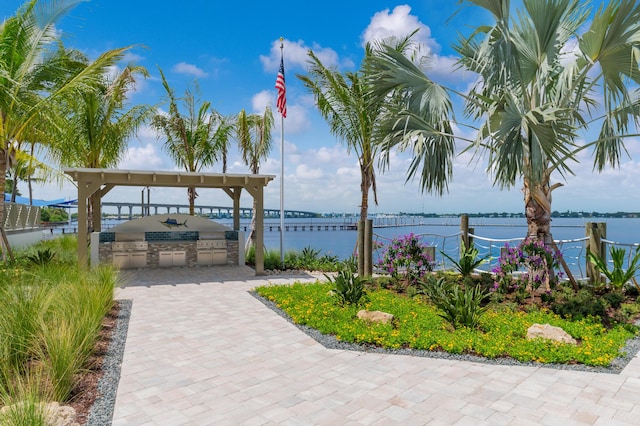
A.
x: 54, y: 413
x: 375, y: 316
x: 547, y: 331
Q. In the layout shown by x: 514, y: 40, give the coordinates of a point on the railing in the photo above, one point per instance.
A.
x: 573, y: 251
x: 19, y: 217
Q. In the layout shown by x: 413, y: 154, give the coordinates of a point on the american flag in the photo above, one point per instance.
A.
x: 281, y: 103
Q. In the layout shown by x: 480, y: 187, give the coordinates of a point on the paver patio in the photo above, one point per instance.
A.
x: 201, y: 350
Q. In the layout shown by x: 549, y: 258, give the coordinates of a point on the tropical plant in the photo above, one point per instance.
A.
x: 35, y: 71
x: 253, y: 132
x: 545, y: 76
x: 344, y: 101
x: 193, y: 141
x: 617, y: 275
x: 40, y: 255
x: 468, y: 261
x: 98, y: 125
x: 529, y: 266
x: 348, y: 287
x: 406, y: 257
x: 460, y: 307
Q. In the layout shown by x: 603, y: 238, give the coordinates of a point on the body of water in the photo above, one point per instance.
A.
x: 343, y: 243
x: 443, y: 233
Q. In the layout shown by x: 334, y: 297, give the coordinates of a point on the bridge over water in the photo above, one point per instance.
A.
x: 127, y: 210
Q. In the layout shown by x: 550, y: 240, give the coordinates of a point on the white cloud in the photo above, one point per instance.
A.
x: 386, y: 26
x: 296, y: 56
x: 396, y: 25
x: 142, y: 158
x: 189, y: 69
x: 303, y: 171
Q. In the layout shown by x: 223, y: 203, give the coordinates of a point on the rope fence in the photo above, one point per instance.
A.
x: 574, y: 251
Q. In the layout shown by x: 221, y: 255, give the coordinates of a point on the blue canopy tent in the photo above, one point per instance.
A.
x: 59, y: 203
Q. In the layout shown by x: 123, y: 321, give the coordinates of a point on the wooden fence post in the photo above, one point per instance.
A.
x: 368, y: 248
x: 361, y: 253
x: 596, y: 231
x: 464, y: 228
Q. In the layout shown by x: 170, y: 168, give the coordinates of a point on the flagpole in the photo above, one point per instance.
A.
x: 281, y: 172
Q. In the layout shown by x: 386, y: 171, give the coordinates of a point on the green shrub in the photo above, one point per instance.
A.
x: 468, y: 261
x: 40, y: 256
x: 460, y: 307
x: 582, y: 304
x: 618, y: 277
x: 348, y: 288
x: 614, y: 298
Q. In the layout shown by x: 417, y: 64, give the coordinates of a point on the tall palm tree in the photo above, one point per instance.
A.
x: 253, y: 133
x: 98, y: 125
x: 193, y: 141
x: 545, y: 78
x: 346, y: 103
x: 32, y: 75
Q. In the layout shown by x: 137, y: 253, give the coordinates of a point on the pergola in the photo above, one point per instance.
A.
x: 101, y: 181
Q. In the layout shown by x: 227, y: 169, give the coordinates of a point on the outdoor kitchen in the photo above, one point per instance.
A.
x: 166, y: 241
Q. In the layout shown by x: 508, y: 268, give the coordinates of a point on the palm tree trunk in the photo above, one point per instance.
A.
x: 224, y: 159
x: 538, y: 214
x: 4, y: 242
x: 537, y: 203
x: 365, y: 184
x: 89, y: 223
x: 191, y: 193
x: 14, y: 189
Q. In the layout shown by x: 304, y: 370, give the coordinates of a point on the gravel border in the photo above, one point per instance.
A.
x: 330, y: 342
x: 101, y: 413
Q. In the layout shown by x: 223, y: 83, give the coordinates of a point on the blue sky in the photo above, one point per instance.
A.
x: 232, y: 51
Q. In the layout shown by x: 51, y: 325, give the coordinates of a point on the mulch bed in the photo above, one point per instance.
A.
x: 85, y: 393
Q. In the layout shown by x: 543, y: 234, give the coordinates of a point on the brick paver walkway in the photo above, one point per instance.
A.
x: 202, y: 351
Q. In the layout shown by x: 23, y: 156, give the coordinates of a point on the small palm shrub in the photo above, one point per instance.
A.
x: 348, y: 288
x: 468, y: 261
x: 618, y: 277
x: 40, y: 256
x: 459, y: 307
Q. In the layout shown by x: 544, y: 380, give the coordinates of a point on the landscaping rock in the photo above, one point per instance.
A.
x: 375, y: 316
x: 54, y: 414
x: 547, y: 331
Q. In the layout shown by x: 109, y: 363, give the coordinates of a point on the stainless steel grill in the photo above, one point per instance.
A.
x: 129, y: 254
x: 129, y: 246
x: 211, y: 252
x: 211, y: 244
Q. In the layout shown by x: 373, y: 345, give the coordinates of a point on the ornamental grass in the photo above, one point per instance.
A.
x: 51, y: 314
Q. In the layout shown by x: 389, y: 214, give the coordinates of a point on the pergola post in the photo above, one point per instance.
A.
x: 101, y: 181
x: 259, y: 231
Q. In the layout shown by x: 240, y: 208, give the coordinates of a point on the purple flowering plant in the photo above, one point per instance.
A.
x: 406, y: 257
x: 536, y: 261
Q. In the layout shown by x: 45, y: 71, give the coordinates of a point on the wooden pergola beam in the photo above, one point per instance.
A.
x: 101, y: 181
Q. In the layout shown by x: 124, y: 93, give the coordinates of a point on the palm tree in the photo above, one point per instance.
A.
x: 253, y: 132
x: 193, y: 141
x: 97, y: 127
x: 32, y: 75
x: 346, y: 103
x: 543, y: 79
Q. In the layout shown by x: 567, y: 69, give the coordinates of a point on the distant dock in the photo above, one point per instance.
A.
x: 391, y: 222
